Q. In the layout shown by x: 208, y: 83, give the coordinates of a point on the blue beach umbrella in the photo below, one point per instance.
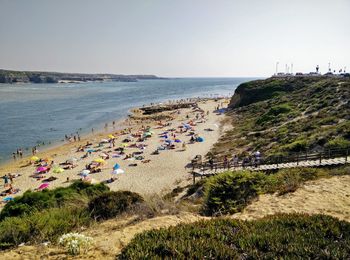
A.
x: 116, y: 166
x: 177, y: 141
x: 200, y: 139
x: 7, y: 199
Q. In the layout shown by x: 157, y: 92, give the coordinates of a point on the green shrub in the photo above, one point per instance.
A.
x: 75, y: 194
x: 338, y: 142
x: 231, y: 191
x: 293, y: 236
x: 111, y: 204
x: 46, y: 225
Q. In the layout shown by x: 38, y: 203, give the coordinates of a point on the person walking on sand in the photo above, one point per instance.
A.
x: 6, y: 180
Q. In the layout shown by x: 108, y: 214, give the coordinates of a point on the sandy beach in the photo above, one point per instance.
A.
x: 153, y: 174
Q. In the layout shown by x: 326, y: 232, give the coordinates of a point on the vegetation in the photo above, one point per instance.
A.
x: 10, y: 76
x: 230, y: 192
x: 280, y: 236
x: 111, y: 204
x: 77, y: 194
x: 45, y: 216
x: 287, y: 115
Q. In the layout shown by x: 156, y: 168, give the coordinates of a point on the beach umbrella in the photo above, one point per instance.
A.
x: 111, y: 136
x: 118, y: 171
x: 147, y: 134
x: 34, y: 158
x: 124, y: 145
x: 44, y: 186
x: 200, y: 139
x: 116, y: 166
x: 58, y: 170
x: 41, y: 169
x: 7, y: 199
x: 177, y: 141
x: 99, y: 160
x: 85, y: 172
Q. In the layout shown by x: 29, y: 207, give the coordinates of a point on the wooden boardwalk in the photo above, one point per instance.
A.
x: 264, y: 167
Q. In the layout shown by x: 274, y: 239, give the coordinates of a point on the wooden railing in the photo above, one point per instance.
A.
x: 296, y: 158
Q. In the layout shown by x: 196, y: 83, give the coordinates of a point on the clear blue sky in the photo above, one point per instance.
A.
x: 174, y: 37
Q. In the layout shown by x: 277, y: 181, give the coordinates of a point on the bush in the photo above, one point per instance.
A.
x: 111, y: 204
x: 30, y: 202
x: 231, y: 191
x: 284, y: 236
x: 46, y: 225
x: 338, y: 142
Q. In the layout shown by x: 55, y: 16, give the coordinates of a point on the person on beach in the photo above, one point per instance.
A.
x: 6, y: 180
x: 14, y: 156
x: 226, y: 165
x: 20, y: 153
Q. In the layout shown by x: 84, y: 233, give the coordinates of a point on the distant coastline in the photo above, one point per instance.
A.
x: 11, y: 76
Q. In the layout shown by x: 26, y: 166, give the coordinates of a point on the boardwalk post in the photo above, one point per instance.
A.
x: 298, y: 159
x: 320, y: 158
x: 194, y: 177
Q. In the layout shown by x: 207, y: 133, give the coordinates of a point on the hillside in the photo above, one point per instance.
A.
x: 10, y: 76
x: 286, y: 115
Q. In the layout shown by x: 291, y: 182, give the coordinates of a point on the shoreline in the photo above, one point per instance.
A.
x: 135, y: 178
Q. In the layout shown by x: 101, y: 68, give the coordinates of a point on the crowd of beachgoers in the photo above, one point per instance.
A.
x: 110, y: 155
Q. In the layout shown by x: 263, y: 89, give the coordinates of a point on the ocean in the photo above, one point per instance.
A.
x: 32, y: 114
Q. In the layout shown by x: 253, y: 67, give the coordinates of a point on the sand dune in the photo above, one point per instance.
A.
x: 324, y: 196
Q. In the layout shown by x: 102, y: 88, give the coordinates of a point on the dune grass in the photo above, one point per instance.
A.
x: 284, y: 236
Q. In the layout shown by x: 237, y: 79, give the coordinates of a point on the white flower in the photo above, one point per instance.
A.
x: 75, y: 243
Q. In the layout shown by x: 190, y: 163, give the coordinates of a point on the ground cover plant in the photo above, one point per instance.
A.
x: 230, y: 192
x: 288, y: 115
x: 36, y: 217
x: 284, y: 236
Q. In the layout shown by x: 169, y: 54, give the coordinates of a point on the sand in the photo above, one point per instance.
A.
x: 324, y: 196
x: 163, y: 173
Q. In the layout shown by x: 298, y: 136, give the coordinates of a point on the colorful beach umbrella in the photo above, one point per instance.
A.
x: 111, y: 136
x: 85, y: 172
x: 7, y: 199
x: 58, y: 170
x: 200, y: 139
x: 99, y: 160
x: 118, y: 171
x: 177, y: 141
x: 41, y: 169
x: 34, y: 158
x: 116, y: 166
x: 43, y: 186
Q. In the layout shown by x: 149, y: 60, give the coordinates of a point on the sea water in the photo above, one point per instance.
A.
x: 32, y: 114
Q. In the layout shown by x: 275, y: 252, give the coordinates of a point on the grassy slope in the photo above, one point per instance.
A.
x: 288, y: 115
